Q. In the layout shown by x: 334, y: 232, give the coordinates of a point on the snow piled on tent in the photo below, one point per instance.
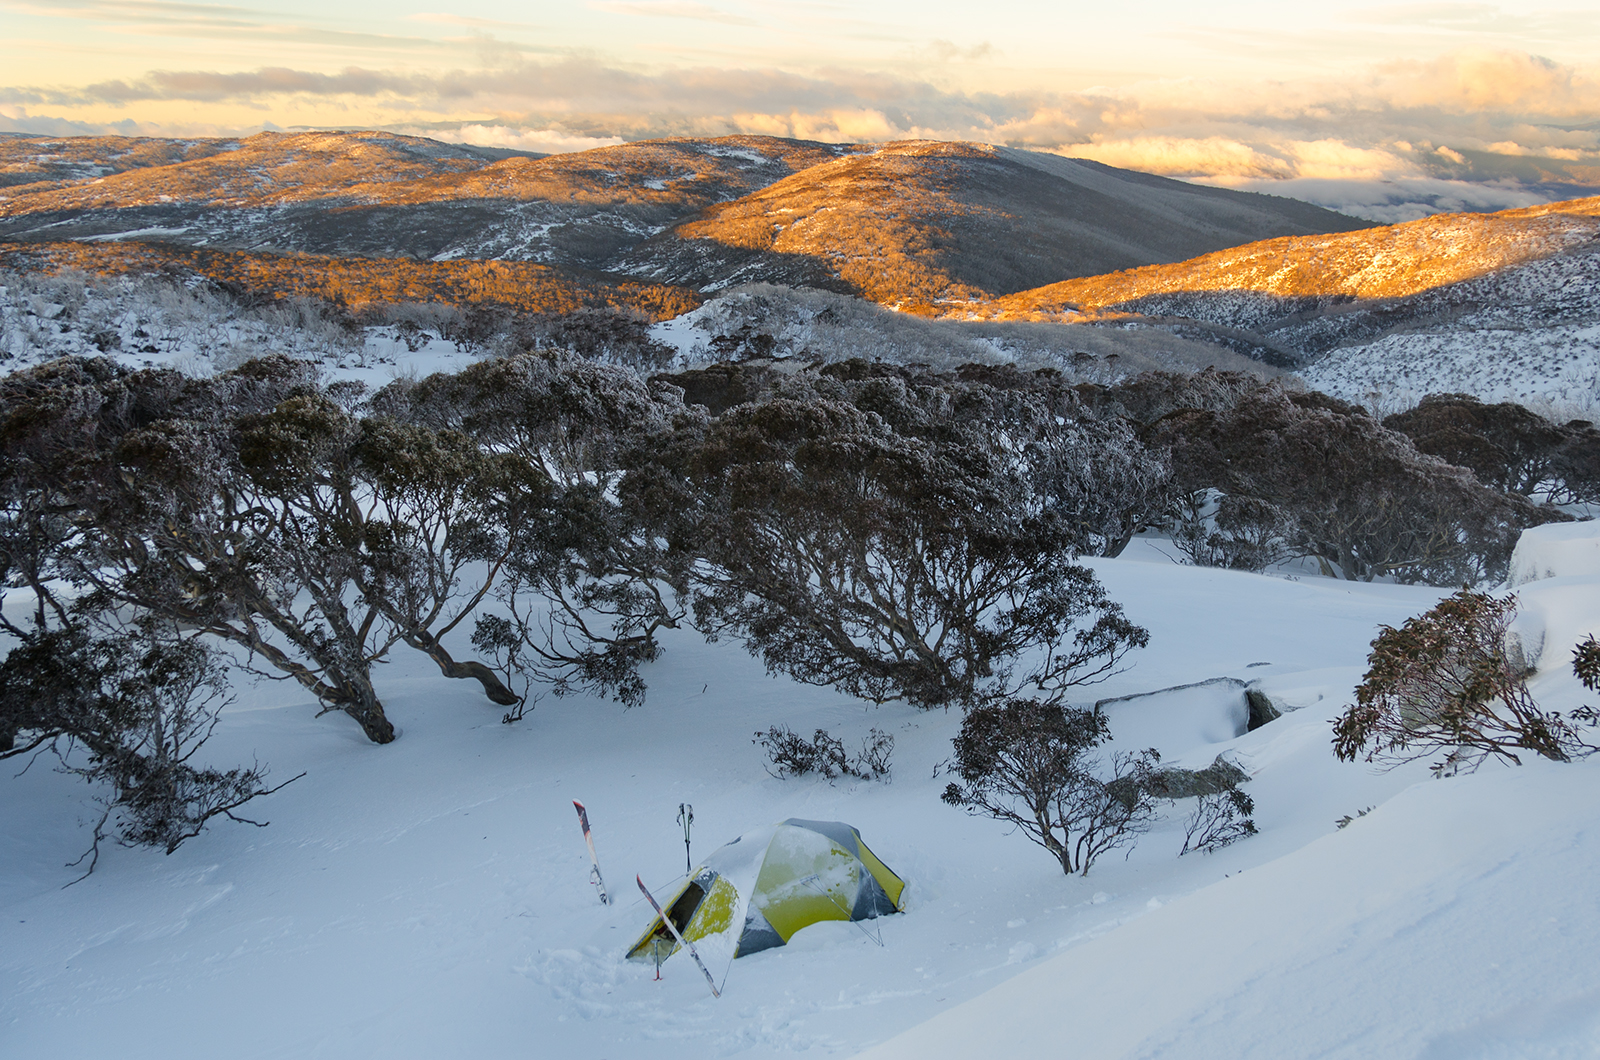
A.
x: 430, y: 898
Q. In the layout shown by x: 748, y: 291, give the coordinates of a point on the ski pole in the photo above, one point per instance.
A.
x: 686, y: 818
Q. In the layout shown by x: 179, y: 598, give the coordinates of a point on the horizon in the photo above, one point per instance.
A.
x: 1391, y: 113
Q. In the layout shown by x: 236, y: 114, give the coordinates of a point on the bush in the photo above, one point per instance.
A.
x: 140, y: 704
x: 1028, y: 763
x: 791, y: 755
x: 1219, y: 818
x: 1332, y: 483
x: 1586, y: 663
x: 1444, y: 682
x: 1508, y: 446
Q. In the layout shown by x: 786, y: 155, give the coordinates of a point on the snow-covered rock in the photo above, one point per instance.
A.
x: 1555, y: 550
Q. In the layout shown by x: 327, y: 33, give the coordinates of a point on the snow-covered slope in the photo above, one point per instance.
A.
x: 1456, y: 921
x: 430, y: 898
x: 1528, y: 334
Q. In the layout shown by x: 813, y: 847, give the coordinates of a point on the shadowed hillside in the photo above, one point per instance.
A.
x: 921, y: 223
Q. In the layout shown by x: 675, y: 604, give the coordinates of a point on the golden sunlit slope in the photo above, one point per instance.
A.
x: 50, y: 162
x: 1376, y: 263
x: 356, y: 282
x: 385, y: 169
x: 682, y: 174
x: 920, y: 223
x: 262, y: 170
x: 381, y: 195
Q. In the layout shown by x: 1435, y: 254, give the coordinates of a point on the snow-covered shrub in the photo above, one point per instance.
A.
x: 128, y: 710
x: 1444, y: 681
x: 1029, y: 763
x: 791, y: 755
x: 1219, y: 819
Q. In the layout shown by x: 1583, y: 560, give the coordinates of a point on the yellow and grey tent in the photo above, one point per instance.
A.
x: 757, y: 891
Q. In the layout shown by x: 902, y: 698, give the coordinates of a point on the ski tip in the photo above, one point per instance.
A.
x: 578, y: 804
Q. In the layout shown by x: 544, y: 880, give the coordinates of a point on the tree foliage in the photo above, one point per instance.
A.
x: 1508, y: 446
x: 1444, y: 681
x: 127, y: 710
x: 894, y: 537
x: 1028, y: 763
x: 1311, y: 476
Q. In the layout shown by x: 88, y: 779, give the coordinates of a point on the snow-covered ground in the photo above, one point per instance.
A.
x: 1529, y: 334
x: 430, y: 898
x: 144, y: 322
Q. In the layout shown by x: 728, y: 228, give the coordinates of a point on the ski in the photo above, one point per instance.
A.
x: 594, y: 873
x: 685, y: 943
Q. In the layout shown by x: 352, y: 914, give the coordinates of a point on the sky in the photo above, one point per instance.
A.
x: 1396, y: 109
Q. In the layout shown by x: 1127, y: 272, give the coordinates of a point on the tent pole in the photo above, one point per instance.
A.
x: 812, y: 880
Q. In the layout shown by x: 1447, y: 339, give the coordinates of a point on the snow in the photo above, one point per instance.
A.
x: 145, y: 323
x: 1445, y: 924
x: 1555, y: 550
x: 430, y: 898
x: 1196, y: 715
x: 1529, y: 334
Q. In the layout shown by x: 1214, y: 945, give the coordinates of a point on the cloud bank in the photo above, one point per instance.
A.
x: 1467, y: 130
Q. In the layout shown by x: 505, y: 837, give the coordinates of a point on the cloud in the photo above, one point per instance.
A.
x: 541, y: 141
x: 1468, y: 118
x: 1479, y: 19
x: 948, y: 51
x: 445, y: 18
x: 212, y: 22
x: 200, y: 86
x: 671, y: 9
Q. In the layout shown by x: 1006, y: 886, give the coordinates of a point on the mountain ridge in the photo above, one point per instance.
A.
x: 911, y: 224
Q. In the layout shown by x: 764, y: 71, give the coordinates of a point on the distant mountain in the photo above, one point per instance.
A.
x: 924, y: 223
x: 381, y: 195
x: 1288, y: 301
x: 913, y: 224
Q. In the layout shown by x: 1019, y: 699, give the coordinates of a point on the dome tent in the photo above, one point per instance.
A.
x: 757, y: 891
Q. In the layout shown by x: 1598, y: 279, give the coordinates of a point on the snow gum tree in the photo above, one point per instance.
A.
x: 584, y: 578
x: 1030, y: 764
x: 126, y: 709
x: 892, y: 539
x: 1349, y: 492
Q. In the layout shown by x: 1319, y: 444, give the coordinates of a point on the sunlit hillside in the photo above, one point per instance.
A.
x: 1374, y: 263
x: 357, y: 282
x: 908, y: 224
x: 923, y: 223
